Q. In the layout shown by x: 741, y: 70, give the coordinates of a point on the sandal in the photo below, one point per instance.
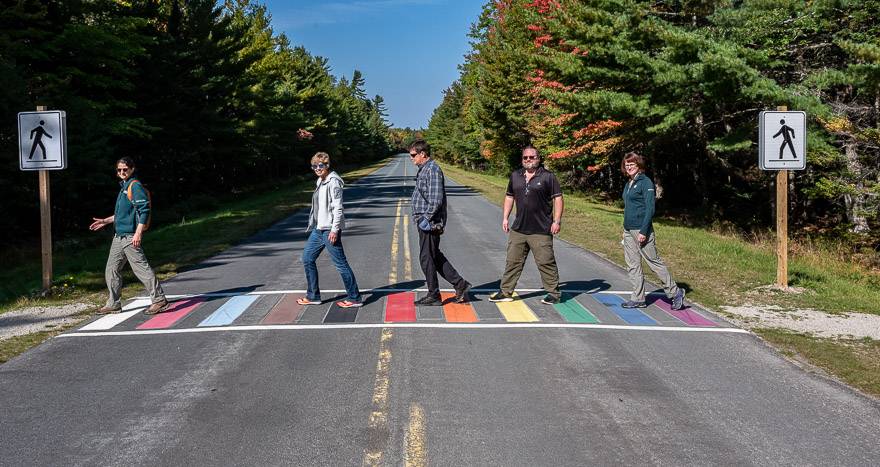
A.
x: 306, y: 301
x: 349, y: 304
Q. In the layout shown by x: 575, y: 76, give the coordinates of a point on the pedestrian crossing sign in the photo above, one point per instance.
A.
x: 42, y: 140
x: 782, y: 141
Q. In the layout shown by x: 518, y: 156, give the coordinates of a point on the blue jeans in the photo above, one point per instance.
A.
x: 318, y: 240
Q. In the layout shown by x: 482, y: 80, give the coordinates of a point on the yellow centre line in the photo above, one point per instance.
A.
x: 407, y: 260
x: 416, y: 453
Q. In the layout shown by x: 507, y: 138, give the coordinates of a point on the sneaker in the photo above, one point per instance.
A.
x: 109, y: 310
x: 461, y: 296
x: 307, y: 301
x: 633, y: 304
x: 550, y: 299
x: 678, y: 300
x: 349, y: 304
x: 429, y: 300
x: 500, y: 297
x: 157, y: 307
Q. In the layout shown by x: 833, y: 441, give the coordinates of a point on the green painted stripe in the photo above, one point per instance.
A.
x: 574, y: 312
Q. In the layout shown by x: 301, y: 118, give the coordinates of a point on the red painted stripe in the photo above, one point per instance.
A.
x: 286, y: 311
x: 399, y: 308
x: 457, y: 312
x: 175, y: 312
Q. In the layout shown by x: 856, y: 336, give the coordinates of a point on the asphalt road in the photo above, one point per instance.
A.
x: 237, y: 376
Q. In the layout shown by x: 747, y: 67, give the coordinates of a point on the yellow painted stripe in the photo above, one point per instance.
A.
x: 392, y: 274
x: 378, y: 424
x: 407, y: 260
x: 416, y: 454
x: 517, y: 311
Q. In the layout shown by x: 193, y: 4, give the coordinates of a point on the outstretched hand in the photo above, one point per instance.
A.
x: 97, y: 224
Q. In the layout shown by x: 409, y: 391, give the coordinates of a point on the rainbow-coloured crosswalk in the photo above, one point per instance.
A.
x: 396, y: 307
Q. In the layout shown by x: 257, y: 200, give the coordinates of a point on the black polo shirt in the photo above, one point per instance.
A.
x: 534, y: 200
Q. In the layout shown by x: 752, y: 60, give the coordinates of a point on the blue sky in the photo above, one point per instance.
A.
x: 408, y: 50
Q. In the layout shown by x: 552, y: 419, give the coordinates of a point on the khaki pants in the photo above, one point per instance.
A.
x: 634, y: 252
x: 121, y: 250
x: 541, y: 246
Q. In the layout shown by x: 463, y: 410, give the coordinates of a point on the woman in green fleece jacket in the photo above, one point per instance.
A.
x: 638, y: 234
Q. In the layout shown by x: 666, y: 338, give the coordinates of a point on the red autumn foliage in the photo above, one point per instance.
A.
x: 596, y: 129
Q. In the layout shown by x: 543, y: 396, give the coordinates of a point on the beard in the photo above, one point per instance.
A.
x: 533, y: 164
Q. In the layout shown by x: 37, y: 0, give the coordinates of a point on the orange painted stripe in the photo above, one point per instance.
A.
x: 458, y: 312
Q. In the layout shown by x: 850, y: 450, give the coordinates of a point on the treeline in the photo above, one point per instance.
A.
x: 682, y: 82
x: 205, y: 96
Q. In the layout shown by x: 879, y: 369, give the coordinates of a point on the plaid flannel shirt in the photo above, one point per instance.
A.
x: 429, y: 195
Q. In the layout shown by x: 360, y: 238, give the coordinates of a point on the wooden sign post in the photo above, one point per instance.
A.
x: 45, y: 225
x: 782, y: 147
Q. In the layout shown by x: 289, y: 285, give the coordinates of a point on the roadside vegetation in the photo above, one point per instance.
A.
x: 720, y: 269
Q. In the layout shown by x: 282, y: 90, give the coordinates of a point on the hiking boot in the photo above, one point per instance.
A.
x: 550, y: 299
x: 500, y: 296
x: 633, y: 304
x: 429, y: 300
x: 461, y: 295
x: 109, y: 310
x: 157, y: 307
x: 678, y: 300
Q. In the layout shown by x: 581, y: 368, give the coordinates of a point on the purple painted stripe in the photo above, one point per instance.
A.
x: 687, y: 315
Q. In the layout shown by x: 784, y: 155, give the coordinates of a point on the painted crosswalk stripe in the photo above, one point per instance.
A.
x: 109, y: 321
x: 175, y: 312
x: 630, y: 315
x: 337, y: 314
x: 457, y: 312
x: 687, y: 315
x: 399, y: 308
x: 229, y: 311
x: 574, y: 312
x: 286, y: 311
x: 517, y: 311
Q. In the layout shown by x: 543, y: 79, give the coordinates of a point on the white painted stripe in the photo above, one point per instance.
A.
x: 472, y: 326
x: 107, y: 322
x: 383, y: 290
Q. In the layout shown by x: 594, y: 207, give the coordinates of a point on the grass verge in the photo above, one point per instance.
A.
x: 719, y: 270
x: 855, y: 362
x: 79, y: 266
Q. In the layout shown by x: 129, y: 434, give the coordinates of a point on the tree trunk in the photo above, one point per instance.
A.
x: 855, y: 202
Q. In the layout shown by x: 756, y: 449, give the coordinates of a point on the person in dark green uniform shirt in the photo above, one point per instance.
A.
x: 638, y: 234
x: 130, y: 218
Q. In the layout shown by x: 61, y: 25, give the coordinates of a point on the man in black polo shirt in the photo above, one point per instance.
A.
x: 538, y: 199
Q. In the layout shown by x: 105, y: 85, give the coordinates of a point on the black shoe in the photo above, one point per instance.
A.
x: 550, y: 299
x: 461, y: 295
x: 633, y: 304
x: 429, y: 300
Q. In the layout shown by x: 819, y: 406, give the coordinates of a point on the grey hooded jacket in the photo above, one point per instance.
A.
x: 326, y: 213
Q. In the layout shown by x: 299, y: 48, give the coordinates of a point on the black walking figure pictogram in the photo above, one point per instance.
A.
x: 787, y: 135
x: 38, y: 140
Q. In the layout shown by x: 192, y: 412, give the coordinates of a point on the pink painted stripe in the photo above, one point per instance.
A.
x: 175, y: 312
x: 286, y: 311
x: 399, y: 308
x: 686, y: 315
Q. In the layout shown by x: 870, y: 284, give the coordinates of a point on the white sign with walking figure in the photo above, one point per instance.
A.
x: 42, y: 140
x: 782, y: 141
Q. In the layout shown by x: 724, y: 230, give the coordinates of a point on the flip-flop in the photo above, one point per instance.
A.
x: 349, y: 304
x: 305, y: 301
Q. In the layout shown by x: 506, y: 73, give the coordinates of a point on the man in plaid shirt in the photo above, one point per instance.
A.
x: 429, y: 214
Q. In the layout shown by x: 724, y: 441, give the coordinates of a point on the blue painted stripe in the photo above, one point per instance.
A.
x: 630, y: 315
x: 230, y: 310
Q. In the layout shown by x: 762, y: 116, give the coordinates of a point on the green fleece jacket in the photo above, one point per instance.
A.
x: 638, y: 202
x: 131, y: 213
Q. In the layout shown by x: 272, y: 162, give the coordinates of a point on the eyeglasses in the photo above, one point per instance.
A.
x: 413, y: 155
x: 319, y: 166
x: 527, y: 158
x: 629, y: 166
x: 123, y: 170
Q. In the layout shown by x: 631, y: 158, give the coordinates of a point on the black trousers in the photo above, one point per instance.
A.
x: 433, y: 261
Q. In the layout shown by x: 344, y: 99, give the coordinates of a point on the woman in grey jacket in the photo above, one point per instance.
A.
x: 326, y: 222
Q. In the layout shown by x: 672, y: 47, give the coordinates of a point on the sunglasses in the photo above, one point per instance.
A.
x: 528, y: 158
x: 413, y: 155
x: 319, y: 166
x: 122, y: 170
